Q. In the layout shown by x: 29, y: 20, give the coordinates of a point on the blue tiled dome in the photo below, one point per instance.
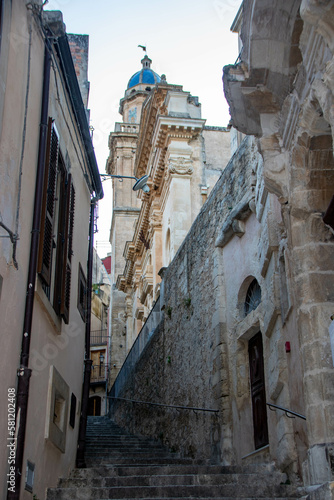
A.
x: 146, y: 75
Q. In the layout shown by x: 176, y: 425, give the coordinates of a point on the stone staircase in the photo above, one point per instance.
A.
x: 123, y: 466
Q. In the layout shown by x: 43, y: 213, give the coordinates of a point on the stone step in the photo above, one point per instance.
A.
x: 177, y: 469
x: 106, y: 432
x: 189, y: 491
x: 120, y: 439
x: 131, y: 456
x: 91, y: 462
x: 121, y: 466
x: 124, y: 445
x: 210, y: 478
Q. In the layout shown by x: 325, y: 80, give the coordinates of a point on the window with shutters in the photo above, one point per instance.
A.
x: 57, y: 224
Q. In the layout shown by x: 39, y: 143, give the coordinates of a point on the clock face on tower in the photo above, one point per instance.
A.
x: 133, y: 115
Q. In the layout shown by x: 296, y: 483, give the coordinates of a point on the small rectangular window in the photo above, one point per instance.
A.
x: 82, y: 293
x: 30, y: 473
x: 73, y: 410
x: 57, y: 410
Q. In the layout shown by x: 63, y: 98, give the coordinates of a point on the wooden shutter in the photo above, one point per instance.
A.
x: 67, y: 250
x: 48, y: 207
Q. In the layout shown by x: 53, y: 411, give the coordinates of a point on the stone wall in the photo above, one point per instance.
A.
x: 282, y: 90
x: 183, y: 363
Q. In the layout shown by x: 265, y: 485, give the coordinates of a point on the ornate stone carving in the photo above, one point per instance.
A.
x: 155, y: 219
x: 180, y: 165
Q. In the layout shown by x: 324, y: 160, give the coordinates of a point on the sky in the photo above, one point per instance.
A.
x: 188, y: 40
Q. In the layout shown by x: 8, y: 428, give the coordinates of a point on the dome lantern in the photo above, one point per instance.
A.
x: 146, y: 76
x: 146, y: 61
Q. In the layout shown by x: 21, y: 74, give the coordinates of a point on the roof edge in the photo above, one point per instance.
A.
x: 73, y: 88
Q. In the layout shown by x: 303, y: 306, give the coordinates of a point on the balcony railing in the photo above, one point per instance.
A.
x: 99, y: 337
x: 131, y: 128
x: 98, y: 374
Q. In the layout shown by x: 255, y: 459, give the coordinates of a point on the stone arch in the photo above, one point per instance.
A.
x: 253, y: 297
x: 321, y: 15
x: 242, y: 295
x: 312, y: 166
x: 248, y: 336
x: 311, y: 191
x: 276, y: 24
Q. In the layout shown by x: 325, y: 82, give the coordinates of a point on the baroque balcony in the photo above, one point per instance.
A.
x: 131, y: 128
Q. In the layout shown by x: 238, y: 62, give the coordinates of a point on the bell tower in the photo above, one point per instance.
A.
x: 126, y: 205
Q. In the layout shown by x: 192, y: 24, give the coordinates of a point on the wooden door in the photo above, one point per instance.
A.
x: 97, y: 373
x: 258, y: 393
x: 94, y: 406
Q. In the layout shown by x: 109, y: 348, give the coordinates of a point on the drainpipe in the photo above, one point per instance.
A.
x: 24, y: 373
x: 80, y: 462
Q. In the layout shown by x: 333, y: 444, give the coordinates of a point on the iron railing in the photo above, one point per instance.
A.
x: 99, y: 373
x: 136, y: 350
x: 99, y: 337
x: 288, y: 413
x: 175, y: 407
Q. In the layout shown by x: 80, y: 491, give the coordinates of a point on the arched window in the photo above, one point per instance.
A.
x: 253, y: 297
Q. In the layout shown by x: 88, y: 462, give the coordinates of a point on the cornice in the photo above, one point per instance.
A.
x: 135, y: 248
x: 167, y: 129
x: 151, y: 107
x: 157, y: 130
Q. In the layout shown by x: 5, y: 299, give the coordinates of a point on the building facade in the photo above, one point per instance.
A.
x: 99, y: 338
x: 162, y: 136
x: 48, y: 177
x: 283, y: 94
x: 248, y: 298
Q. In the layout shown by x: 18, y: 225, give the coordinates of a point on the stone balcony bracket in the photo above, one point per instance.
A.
x: 234, y: 224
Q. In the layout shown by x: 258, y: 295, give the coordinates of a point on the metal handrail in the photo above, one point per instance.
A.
x: 131, y: 359
x: 166, y: 406
x: 286, y: 411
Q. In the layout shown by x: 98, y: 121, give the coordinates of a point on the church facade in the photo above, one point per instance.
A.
x: 162, y: 136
